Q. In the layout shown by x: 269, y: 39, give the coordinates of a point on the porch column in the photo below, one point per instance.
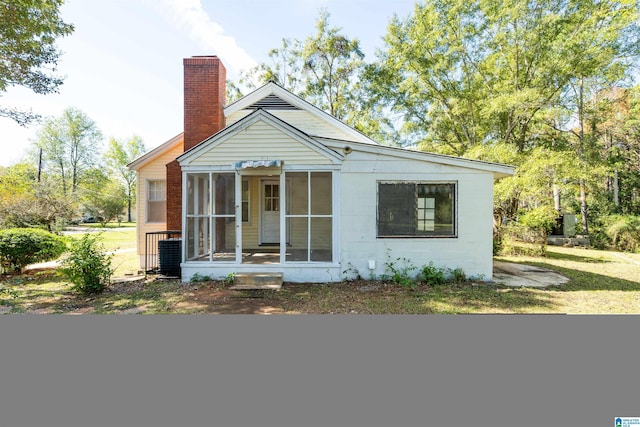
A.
x: 283, y: 218
x: 238, y: 213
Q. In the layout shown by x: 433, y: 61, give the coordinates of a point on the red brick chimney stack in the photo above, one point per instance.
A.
x: 204, y: 99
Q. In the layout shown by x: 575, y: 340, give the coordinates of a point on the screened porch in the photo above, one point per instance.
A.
x: 259, y: 216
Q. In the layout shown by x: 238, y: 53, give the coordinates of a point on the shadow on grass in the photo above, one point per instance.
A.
x: 576, y: 258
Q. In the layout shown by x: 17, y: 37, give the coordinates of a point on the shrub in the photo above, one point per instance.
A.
x: 400, y: 275
x: 458, y: 275
x: 624, y: 232
x: 432, y: 275
x: 197, y: 277
x: 20, y: 247
x: 88, y: 266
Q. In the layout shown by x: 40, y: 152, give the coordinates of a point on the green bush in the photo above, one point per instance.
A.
x: 623, y: 231
x: 20, y: 247
x: 89, y: 265
x: 400, y: 274
x: 432, y: 275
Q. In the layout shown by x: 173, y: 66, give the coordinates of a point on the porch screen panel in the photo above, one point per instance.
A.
x: 298, y: 183
x: 210, y: 214
x: 310, y: 216
x: 198, y: 241
x: 223, y: 215
x: 321, y: 239
x: 321, y: 193
x: 298, y: 250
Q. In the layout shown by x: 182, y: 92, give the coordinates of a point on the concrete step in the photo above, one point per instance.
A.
x: 242, y: 281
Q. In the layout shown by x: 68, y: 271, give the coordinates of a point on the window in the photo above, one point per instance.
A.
x: 245, y: 200
x: 156, y: 201
x: 416, y: 209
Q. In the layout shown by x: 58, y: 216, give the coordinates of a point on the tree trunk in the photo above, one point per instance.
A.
x: 583, y: 207
x: 556, y: 198
x: 129, y: 208
x: 616, y: 197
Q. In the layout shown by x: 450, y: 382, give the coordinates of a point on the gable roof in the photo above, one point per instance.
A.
x: 273, y: 96
x: 158, y: 151
x: 244, y: 123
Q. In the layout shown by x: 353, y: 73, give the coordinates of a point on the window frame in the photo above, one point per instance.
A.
x: 149, y: 200
x: 247, y: 219
x: 454, y: 193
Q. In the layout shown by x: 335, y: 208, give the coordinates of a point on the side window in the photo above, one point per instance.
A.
x: 416, y: 209
x: 156, y: 201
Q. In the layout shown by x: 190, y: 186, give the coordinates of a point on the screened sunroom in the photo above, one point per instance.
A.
x: 258, y: 213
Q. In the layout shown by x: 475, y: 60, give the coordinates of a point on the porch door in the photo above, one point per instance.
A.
x: 270, y: 213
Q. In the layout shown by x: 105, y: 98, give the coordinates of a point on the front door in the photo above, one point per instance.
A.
x: 270, y: 213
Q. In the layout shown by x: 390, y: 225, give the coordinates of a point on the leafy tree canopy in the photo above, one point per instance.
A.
x: 28, y: 55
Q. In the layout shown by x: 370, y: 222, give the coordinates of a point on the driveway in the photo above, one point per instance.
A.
x: 519, y: 275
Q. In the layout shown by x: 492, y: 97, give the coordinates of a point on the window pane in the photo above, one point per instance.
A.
x: 245, y: 200
x: 439, y: 211
x: 321, y: 193
x: 397, y: 209
x: 156, y: 211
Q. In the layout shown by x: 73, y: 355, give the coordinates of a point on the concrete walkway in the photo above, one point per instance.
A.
x: 518, y: 275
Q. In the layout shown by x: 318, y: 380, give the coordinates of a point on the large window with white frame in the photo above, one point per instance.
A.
x: 156, y: 201
x: 417, y: 209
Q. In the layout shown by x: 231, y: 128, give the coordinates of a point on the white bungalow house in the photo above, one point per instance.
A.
x: 271, y: 183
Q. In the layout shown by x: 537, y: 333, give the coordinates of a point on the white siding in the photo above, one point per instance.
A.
x: 260, y: 141
x: 300, y: 119
x: 471, y: 250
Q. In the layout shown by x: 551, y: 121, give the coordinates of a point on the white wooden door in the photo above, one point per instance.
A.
x: 270, y: 212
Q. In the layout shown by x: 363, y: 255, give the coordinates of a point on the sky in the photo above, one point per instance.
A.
x: 123, y: 63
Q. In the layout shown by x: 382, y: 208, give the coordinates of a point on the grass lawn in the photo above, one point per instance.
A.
x: 122, y: 242
x: 601, y: 282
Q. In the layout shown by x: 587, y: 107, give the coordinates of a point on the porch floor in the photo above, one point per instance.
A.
x: 269, y: 256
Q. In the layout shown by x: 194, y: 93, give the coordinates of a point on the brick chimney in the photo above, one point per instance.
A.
x: 204, y: 99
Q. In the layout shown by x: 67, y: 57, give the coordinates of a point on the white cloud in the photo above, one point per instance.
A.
x: 189, y: 15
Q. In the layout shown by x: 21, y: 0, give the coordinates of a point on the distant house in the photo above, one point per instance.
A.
x: 271, y: 183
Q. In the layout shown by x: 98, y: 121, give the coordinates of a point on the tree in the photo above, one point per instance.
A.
x: 28, y: 55
x: 70, y: 145
x: 324, y: 69
x: 471, y: 72
x: 480, y: 74
x: 332, y: 63
x: 102, y: 196
x: 118, y: 155
x: 25, y: 202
